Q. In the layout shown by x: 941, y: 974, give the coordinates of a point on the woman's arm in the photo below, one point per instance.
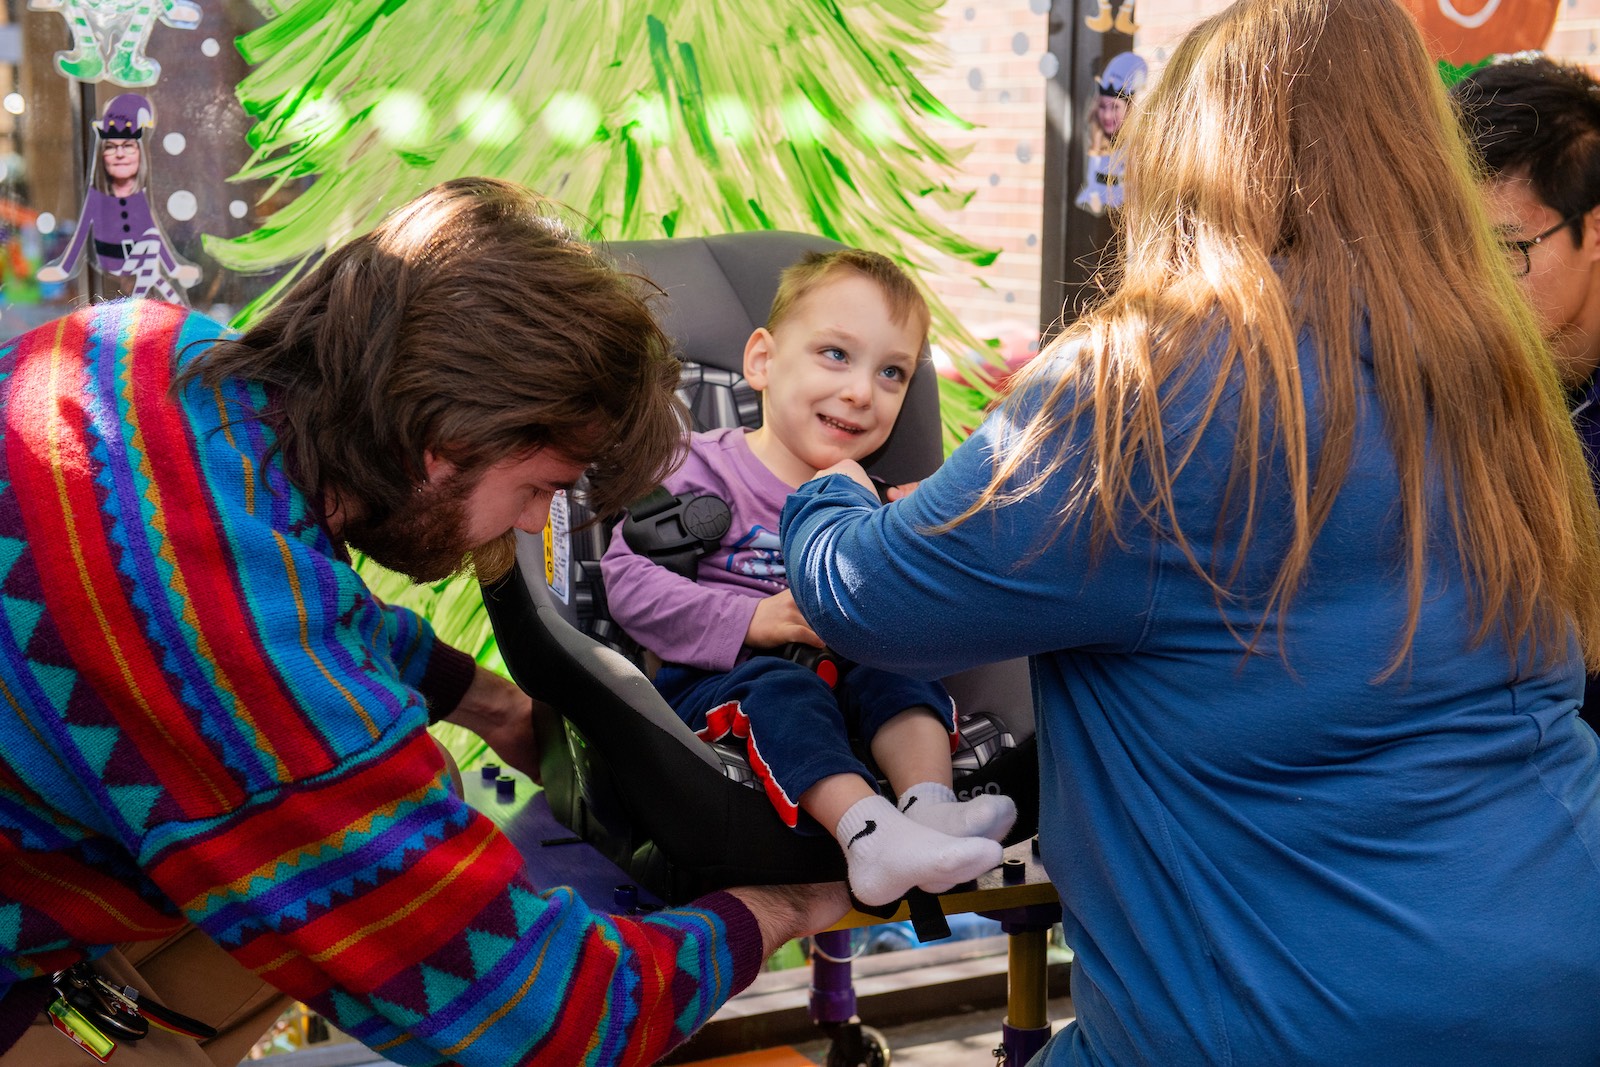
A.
x: 882, y: 588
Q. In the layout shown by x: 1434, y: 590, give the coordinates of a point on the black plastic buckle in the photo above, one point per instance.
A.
x: 676, y: 531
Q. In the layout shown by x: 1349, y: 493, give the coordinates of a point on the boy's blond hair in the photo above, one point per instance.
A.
x: 906, y: 302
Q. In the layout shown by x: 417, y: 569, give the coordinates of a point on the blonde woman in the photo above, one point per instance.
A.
x: 1299, y: 538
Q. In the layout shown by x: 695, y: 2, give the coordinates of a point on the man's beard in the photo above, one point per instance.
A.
x: 428, y: 542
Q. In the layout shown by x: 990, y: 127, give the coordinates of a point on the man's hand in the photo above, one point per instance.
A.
x: 778, y: 622
x: 500, y: 713
x: 785, y: 912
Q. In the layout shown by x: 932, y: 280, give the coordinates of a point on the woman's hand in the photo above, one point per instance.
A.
x: 852, y: 470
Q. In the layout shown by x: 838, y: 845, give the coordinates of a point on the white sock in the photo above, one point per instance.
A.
x: 935, y: 806
x: 888, y: 853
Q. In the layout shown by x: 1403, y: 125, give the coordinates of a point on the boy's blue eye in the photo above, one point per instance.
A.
x: 837, y: 354
x: 896, y: 373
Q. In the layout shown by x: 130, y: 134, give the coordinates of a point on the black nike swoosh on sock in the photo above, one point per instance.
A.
x: 909, y: 801
x: 864, y: 831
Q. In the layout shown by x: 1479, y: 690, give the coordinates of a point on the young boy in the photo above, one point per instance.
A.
x: 832, y: 366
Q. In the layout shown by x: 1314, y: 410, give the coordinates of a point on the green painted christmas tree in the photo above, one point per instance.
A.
x: 652, y: 118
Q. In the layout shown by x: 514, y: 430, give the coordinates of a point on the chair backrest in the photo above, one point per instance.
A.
x: 616, y: 751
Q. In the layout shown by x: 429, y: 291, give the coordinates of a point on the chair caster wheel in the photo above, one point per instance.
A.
x: 858, y: 1046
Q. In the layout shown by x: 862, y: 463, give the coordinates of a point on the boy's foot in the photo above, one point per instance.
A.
x: 935, y: 806
x: 888, y: 854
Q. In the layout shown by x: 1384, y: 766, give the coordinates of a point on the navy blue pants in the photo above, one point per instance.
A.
x: 797, y: 730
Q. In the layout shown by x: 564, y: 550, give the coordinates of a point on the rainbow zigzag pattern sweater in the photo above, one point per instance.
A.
x: 208, y: 718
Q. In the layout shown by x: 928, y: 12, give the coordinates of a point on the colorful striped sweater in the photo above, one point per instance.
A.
x: 208, y: 718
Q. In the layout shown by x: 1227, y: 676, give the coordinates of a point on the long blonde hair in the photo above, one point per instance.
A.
x: 1296, y: 168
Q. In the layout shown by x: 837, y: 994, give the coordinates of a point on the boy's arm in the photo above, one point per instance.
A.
x: 681, y: 621
x: 777, y: 622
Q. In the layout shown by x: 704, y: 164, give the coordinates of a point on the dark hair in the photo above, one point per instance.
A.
x: 471, y: 323
x: 906, y: 302
x: 1535, y: 117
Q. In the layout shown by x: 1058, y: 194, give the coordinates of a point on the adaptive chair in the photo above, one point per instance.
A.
x: 620, y: 769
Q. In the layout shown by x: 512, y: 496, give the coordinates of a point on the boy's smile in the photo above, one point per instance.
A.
x: 832, y: 377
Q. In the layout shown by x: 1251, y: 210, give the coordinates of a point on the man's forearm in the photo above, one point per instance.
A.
x: 785, y: 912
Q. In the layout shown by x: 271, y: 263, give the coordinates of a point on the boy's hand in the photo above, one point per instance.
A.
x: 852, y: 470
x: 900, y: 492
x: 777, y: 622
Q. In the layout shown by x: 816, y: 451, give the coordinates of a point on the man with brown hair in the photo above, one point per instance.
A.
x: 216, y: 734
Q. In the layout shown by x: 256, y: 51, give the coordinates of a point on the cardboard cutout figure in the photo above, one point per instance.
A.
x: 1123, y: 77
x: 108, y: 36
x: 116, y: 227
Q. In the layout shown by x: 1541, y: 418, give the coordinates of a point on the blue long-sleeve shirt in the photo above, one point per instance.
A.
x: 1269, y: 858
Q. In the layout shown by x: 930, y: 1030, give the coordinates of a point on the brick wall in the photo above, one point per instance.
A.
x: 995, y: 77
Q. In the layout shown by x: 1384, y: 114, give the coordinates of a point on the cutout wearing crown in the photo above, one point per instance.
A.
x: 116, y: 229
x: 1124, y: 76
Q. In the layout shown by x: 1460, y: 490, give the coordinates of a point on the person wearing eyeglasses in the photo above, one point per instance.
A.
x: 1535, y: 124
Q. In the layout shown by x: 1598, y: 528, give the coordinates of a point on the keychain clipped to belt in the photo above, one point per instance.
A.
x: 96, y: 1014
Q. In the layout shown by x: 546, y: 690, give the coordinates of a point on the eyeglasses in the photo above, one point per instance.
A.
x: 1517, y: 251
x: 113, y: 148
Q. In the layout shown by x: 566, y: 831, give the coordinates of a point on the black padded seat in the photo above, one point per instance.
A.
x: 621, y: 769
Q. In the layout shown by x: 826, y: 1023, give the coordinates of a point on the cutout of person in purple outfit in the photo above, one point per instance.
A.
x: 116, y: 225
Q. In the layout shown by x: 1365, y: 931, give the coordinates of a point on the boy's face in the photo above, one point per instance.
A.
x: 833, y: 376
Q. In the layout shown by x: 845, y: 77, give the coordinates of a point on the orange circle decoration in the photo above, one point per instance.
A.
x: 1465, y: 31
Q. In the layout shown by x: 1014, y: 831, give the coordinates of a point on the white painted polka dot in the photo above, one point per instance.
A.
x: 45, y: 223
x: 174, y: 143
x: 994, y: 179
x: 182, y: 205
x: 1049, y: 65
x: 209, y: 47
x: 1024, y: 153
x: 1039, y: 7
x: 975, y: 78
x: 1019, y: 44
x: 238, y: 209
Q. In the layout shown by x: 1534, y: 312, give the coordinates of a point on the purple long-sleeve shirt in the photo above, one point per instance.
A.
x: 703, y: 623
